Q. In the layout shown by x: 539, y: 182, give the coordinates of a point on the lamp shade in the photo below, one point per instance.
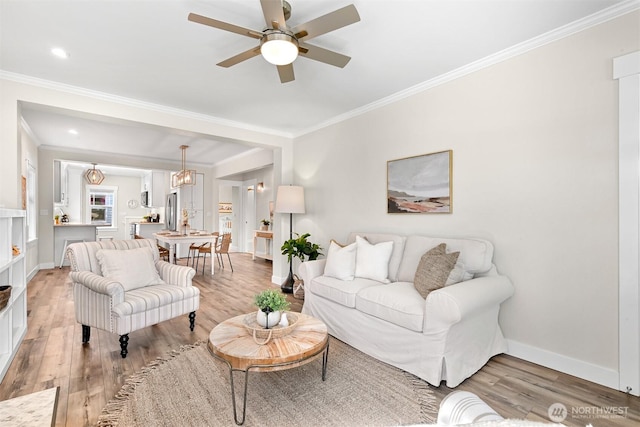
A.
x: 290, y: 199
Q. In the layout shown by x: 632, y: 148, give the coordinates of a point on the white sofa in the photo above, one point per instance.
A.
x: 447, y: 337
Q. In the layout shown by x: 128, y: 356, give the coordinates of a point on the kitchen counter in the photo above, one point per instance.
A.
x: 70, y: 231
x: 146, y: 229
x: 73, y: 224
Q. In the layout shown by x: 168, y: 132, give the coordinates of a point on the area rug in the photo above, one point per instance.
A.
x: 190, y: 387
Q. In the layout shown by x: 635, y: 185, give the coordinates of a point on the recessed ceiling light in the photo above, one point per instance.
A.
x: 73, y: 131
x: 60, y: 53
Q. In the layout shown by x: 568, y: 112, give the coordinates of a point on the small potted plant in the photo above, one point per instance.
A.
x: 271, y: 303
x: 265, y: 224
x: 57, y: 219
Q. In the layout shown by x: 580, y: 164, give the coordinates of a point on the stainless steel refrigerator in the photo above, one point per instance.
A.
x: 171, y: 211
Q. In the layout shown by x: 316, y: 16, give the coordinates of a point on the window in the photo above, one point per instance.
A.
x: 102, y: 206
x: 32, y: 218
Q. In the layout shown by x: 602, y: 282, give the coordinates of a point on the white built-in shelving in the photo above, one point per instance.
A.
x: 13, y: 317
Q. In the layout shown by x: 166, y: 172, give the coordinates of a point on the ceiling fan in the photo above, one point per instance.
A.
x: 281, y: 44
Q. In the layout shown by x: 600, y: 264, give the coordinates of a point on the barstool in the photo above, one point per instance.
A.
x: 67, y: 242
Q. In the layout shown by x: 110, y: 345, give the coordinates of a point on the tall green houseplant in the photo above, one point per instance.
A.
x: 301, y: 248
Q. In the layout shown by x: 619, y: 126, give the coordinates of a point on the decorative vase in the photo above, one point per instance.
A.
x: 264, y: 227
x: 273, y: 318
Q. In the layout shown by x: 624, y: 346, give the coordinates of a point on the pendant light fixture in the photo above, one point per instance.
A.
x: 94, y: 176
x: 185, y: 176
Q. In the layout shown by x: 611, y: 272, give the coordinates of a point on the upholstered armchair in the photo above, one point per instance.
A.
x: 121, y: 286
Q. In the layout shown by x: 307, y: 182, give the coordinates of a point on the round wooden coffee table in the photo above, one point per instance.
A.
x: 231, y: 342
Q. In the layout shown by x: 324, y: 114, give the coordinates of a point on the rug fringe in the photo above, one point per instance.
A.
x: 113, y: 409
x: 427, y: 401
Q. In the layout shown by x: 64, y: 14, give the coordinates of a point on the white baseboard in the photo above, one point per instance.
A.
x: 568, y: 365
x: 32, y: 273
x: 277, y: 280
x: 46, y: 266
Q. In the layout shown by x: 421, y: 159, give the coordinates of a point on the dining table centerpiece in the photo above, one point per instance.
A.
x: 271, y: 304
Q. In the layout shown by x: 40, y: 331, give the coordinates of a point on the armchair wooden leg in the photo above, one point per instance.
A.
x: 192, y: 320
x: 124, y: 341
x: 86, y: 334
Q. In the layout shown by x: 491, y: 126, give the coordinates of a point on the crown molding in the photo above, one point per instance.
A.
x: 585, y: 23
x: 130, y: 102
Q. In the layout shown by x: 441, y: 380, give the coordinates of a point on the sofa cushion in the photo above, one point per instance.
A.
x: 475, y: 254
x: 133, y: 268
x: 342, y: 292
x: 458, y: 274
x: 83, y: 255
x: 434, y: 269
x: 396, y: 254
x: 398, y: 303
x: 341, y: 261
x: 372, y: 261
x: 148, y: 298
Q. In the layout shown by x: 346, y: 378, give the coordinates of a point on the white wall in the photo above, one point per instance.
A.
x: 534, y: 143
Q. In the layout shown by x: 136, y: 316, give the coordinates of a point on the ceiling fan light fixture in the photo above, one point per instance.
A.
x: 279, y: 48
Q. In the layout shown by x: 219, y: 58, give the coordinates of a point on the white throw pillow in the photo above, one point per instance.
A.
x: 458, y: 274
x: 372, y: 261
x: 133, y: 268
x: 341, y: 261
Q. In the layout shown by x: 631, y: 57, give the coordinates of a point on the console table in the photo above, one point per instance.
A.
x: 268, y: 236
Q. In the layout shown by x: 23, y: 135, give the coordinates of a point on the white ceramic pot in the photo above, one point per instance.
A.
x: 274, y: 318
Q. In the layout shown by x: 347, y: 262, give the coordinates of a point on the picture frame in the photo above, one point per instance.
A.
x: 421, y: 184
x: 225, y: 208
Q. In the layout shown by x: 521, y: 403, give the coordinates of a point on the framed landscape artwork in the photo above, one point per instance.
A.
x: 420, y: 184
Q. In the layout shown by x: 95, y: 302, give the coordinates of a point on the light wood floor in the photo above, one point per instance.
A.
x: 88, y: 376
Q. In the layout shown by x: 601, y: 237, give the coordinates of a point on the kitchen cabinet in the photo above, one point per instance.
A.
x: 146, y: 229
x: 13, y: 272
x: 60, y: 183
x: 192, y: 196
x: 156, y: 183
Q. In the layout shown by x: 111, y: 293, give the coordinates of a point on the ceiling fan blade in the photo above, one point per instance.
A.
x: 286, y: 73
x: 323, y: 55
x: 331, y: 21
x: 193, y: 17
x: 247, y: 54
x: 273, y: 13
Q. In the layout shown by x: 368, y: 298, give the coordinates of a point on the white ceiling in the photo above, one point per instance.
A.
x: 147, y: 51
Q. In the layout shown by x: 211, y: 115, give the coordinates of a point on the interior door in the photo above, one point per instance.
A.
x: 249, y: 214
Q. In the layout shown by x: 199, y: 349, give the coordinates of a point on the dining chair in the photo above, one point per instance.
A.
x: 223, y: 248
x: 162, y: 251
x: 193, y: 252
x: 205, y: 249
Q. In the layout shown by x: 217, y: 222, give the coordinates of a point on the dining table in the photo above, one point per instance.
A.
x: 171, y: 239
